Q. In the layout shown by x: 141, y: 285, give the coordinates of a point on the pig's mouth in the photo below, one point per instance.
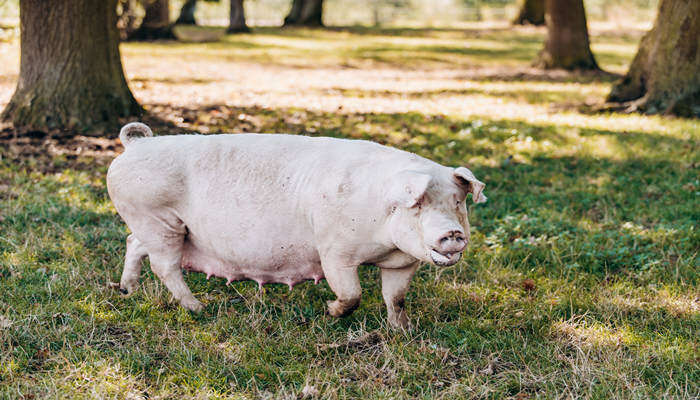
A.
x: 445, y: 259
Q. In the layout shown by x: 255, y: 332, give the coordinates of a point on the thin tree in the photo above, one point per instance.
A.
x: 567, y: 45
x: 237, y: 22
x: 305, y: 13
x: 71, y: 76
x: 156, y: 22
x: 187, y: 13
x: 664, y: 76
x: 531, y: 12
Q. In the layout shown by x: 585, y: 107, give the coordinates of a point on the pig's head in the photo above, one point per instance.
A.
x: 428, y: 213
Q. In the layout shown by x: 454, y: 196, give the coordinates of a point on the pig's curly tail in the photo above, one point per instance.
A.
x: 133, y: 131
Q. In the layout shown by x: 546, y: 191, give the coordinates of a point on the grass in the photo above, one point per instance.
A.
x: 358, y: 47
x: 581, y: 280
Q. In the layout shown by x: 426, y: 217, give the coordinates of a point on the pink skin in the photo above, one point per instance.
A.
x: 285, y: 209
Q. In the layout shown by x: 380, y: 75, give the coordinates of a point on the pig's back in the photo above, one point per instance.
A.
x: 187, y: 169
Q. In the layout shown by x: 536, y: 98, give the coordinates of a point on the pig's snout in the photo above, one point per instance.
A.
x: 451, y: 242
x: 448, y: 248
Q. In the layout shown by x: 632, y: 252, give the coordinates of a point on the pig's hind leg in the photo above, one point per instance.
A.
x: 165, y: 263
x: 135, y: 253
x: 164, y: 236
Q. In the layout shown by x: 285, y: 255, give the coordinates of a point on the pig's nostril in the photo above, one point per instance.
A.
x: 452, y: 235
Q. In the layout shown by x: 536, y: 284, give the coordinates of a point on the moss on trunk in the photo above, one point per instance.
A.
x: 664, y: 76
x: 71, y: 76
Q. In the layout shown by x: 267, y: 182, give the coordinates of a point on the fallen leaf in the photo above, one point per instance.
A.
x: 529, y: 285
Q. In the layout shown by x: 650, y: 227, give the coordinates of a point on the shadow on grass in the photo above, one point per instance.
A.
x: 176, y: 81
x: 397, y: 48
x: 311, y: 33
x: 552, y: 97
x: 401, y: 54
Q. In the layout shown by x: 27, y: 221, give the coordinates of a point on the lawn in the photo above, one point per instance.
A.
x: 581, y: 280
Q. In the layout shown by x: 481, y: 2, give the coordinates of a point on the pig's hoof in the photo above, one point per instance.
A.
x: 192, y: 304
x: 340, y: 308
x: 400, y: 322
x: 127, y: 290
x: 333, y: 310
x: 400, y: 326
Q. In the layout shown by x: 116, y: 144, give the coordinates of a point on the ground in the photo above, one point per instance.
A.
x: 581, y: 279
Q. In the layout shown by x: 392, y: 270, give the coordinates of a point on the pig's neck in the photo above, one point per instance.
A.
x: 392, y: 259
x: 385, y: 253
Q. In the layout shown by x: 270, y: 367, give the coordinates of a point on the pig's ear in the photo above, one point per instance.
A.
x: 468, y: 181
x: 407, y: 188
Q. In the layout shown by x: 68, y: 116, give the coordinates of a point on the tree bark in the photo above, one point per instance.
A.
x: 71, y: 76
x: 664, y: 76
x: 305, y: 13
x: 187, y: 13
x: 156, y: 22
x: 567, y: 44
x: 237, y: 22
x: 531, y: 12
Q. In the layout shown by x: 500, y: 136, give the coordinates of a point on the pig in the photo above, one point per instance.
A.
x: 279, y: 208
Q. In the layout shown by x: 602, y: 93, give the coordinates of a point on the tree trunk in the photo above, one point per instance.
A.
x: 71, y: 76
x: 376, y: 19
x: 237, y: 18
x: 187, y: 13
x: 664, y: 76
x: 294, y: 14
x: 477, y: 11
x: 531, y: 12
x: 156, y: 22
x: 567, y: 44
x: 305, y: 13
x: 312, y: 13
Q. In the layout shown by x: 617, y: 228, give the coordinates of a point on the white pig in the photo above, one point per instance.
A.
x: 284, y: 209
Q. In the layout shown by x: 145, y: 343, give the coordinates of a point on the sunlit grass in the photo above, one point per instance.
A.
x: 384, y: 48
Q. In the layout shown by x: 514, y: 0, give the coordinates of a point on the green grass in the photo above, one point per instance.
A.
x: 407, y: 48
x: 581, y: 280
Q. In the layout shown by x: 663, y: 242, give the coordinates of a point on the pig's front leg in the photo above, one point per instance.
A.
x: 345, y: 283
x: 395, y: 282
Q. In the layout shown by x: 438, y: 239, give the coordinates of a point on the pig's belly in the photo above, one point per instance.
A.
x: 289, y: 264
